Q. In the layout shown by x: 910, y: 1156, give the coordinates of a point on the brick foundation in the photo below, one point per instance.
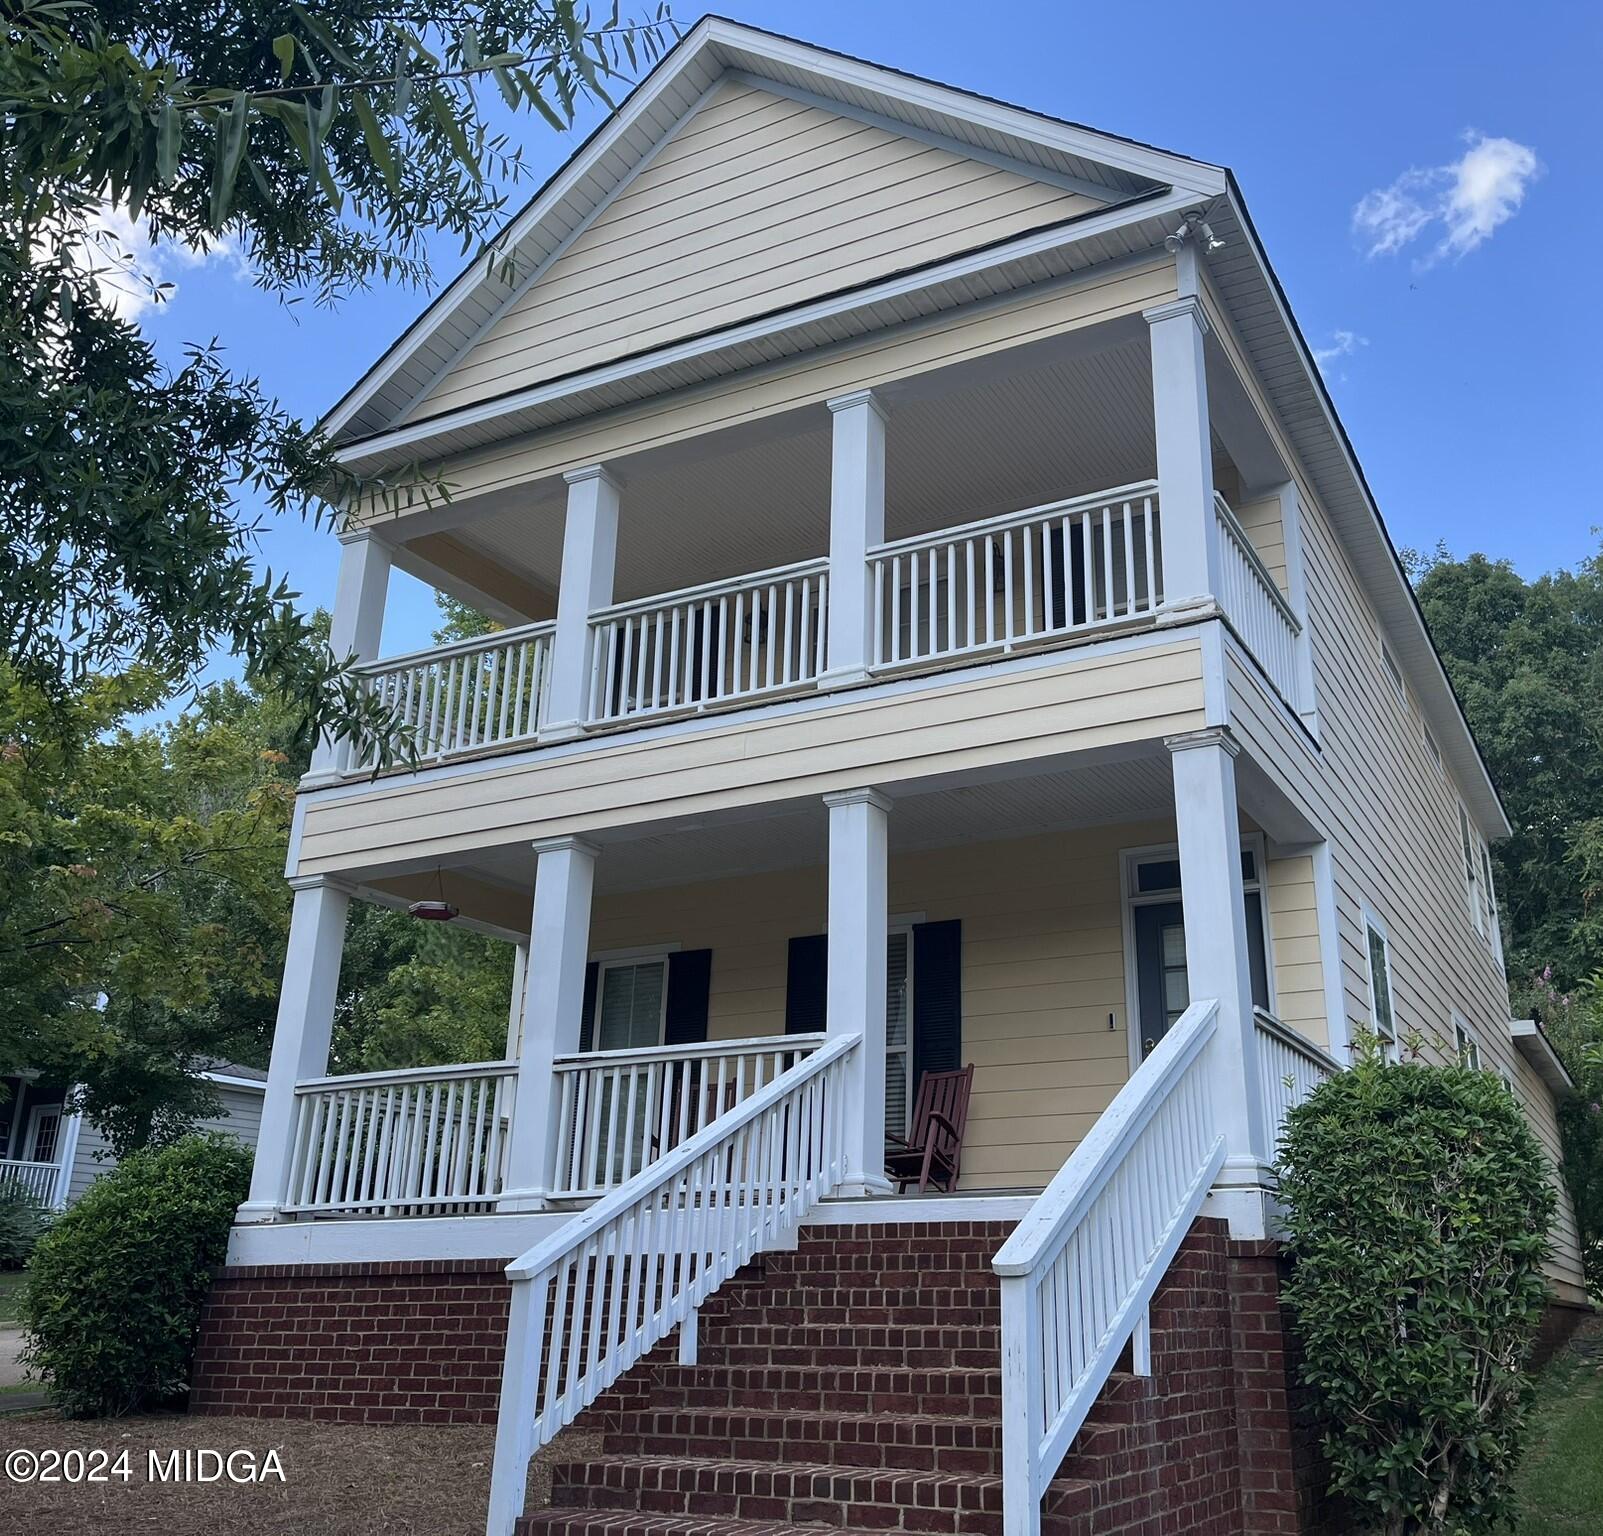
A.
x: 871, y: 1347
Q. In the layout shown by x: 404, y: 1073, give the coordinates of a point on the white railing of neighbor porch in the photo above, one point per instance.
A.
x: 1033, y: 575
x: 619, y: 1111
x: 425, y: 1140
x: 595, y: 1296
x: 1254, y: 605
x: 483, y: 692
x: 36, y: 1180
x: 1081, y: 1268
x: 715, y: 644
x: 1290, y: 1067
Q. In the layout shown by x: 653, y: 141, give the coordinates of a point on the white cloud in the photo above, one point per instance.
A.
x: 1465, y: 201
x: 1342, y: 344
x: 129, y: 267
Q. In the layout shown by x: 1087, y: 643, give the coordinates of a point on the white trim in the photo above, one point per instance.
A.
x: 36, y: 1112
x: 68, y: 1135
x: 1369, y: 918
x: 1338, y: 1028
x: 227, y: 1080
x: 1466, y: 1043
x: 1531, y: 1041
x: 630, y: 962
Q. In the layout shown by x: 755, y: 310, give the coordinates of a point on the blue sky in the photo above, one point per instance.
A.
x: 1463, y: 141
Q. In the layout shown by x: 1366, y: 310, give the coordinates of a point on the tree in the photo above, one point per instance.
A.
x: 1526, y: 658
x: 326, y: 146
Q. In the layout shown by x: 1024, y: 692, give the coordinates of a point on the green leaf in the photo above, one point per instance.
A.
x: 169, y: 140
x: 377, y: 145
x: 233, y: 133
x: 284, y: 52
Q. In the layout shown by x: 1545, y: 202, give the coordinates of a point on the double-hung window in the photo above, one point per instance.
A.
x: 1382, y: 1018
x: 1469, y: 1052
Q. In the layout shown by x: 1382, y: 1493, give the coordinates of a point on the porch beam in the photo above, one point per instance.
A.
x: 553, y: 1002
x: 859, y: 920
x: 1208, y: 823
x: 589, y: 563
x: 301, y: 1034
x: 856, y: 525
x: 1176, y: 333
x: 356, y: 626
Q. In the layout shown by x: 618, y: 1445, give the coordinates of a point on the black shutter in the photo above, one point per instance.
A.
x: 937, y: 998
x: 587, y: 1021
x: 689, y: 979
x: 806, y: 985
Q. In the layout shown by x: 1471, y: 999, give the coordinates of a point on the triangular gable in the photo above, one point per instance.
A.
x: 756, y: 203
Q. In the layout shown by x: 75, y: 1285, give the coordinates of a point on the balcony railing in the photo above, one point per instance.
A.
x: 1253, y: 604
x: 1029, y: 576
x: 1290, y: 1067
x: 428, y: 1140
x: 619, y: 1111
x: 35, y: 1180
x: 723, y: 643
x: 475, y: 693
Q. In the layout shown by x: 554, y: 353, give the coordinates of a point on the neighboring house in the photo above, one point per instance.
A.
x: 55, y: 1154
x: 947, y: 626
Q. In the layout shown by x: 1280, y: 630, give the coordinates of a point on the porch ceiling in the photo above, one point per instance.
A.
x: 1055, y: 419
x: 795, y: 836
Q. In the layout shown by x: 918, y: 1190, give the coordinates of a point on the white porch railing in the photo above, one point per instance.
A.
x: 1290, y: 1067
x: 619, y: 1111
x: 595, y: 1296
x: 1006, y: 581
x: 715, y: 644
x: 474, y: 693
x: 1253, y: 604
x: 1081, y: 1268
x: 36, y: 1180
x: 424, y: 1140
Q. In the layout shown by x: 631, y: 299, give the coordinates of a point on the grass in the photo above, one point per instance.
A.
x: 11, y: 1283
x: 1561, y: 1482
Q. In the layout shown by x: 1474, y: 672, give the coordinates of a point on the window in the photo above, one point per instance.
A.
x: 1469, y: 1053
x: 1381, y: 1017
x: 1494, y: 922
x: 43, y: 1133
x: 1393, y: 671
x: 1434, y: 749
x: 1471, y: 878
x: 898, y: 1029
x: 631, y: 1002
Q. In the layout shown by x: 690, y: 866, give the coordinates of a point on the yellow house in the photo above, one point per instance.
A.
x: 944, y: 626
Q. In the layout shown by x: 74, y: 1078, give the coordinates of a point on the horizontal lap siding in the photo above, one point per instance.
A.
x: 1080, y: 704
x: 1294, y: 928
x: 1392, y: 820
x: 240, y: 1115
x: 756, y: 203
x: 935, y: 342
x: 1261, y: 520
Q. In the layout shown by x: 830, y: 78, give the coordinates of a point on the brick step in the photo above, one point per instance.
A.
x: 743, y: 1343
x: 572, y: 1521
x: 874, y: 1307
x: 830, y: 1389
x: 794, y: 1493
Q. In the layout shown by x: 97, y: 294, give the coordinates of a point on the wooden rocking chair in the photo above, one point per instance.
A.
x: 933, y: 1153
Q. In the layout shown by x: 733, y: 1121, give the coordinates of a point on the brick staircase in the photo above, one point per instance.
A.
x: 854, y: 1383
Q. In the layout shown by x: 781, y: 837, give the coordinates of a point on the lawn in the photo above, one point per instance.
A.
x: 1561, y: 1483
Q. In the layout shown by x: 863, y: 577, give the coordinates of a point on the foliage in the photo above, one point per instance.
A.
x: 1574, y: 1024
x: 324, y: 148
x: 1418, y: 1209
x: 142, y: 902
x: 1526, y: 658
x: 22, y: 1222
x: 113, y: 1302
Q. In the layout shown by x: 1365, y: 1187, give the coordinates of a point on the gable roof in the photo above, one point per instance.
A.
x: 1068, y: 154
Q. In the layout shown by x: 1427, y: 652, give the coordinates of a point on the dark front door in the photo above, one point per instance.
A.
x: 1160, y: 965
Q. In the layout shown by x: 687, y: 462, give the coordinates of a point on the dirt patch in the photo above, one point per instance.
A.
x: 339, y: 1479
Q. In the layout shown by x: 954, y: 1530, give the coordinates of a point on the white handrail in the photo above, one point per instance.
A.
x: 420, y: 1140
x: 1254, y: 604
x: 36, y: 1180
x: 1081, y: 1268
x: 619, y: 1111
x: 598, y: 1294
x: 1290, y: 1067
x: 1025, y: 577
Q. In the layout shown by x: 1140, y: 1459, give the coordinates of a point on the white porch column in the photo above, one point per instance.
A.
x: 1185, y: 453
x: 357, y: 622
x: 589, y: 557
x: 859, y: 895
x: 1217, y: 964
x: 856, y: 523
x: 559, y: 946
x: 301, y: 1034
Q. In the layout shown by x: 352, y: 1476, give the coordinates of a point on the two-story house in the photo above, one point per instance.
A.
x: 945, y: 626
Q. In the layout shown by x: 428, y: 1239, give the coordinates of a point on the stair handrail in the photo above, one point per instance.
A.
x: 1081, y: 1268
x: 665, y: 1239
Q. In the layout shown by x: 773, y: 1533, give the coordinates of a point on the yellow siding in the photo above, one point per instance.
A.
x: 1261, y: 520
x: 1392, y: 819
x: 1077, y: 703
x: 756, y: 203
x: 1294, y: 931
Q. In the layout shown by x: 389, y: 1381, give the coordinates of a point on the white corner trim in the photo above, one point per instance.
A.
x: 227, y: 1080
x: 1338, y: 1027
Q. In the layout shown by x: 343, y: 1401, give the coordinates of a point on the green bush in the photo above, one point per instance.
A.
x: 22, y: 1222
x: 1418, y: 1204
x: 115, y: 1287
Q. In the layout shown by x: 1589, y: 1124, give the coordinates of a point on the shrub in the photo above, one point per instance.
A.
x: 115, y: 1287
x: 22, y: 1221
x: 1418, y: 1203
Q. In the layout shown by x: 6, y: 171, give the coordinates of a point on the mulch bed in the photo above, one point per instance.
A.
x: 339, y: 1479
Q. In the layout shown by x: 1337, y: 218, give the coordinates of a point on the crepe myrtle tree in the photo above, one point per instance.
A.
x: 325, y: 144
